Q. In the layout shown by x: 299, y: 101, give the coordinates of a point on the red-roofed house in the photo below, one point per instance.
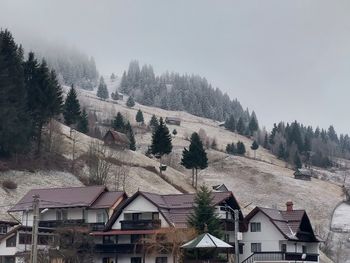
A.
x: 283, y: 236
x: 148, y: 213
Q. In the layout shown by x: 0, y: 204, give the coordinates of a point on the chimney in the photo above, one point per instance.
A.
x: 289, y: 205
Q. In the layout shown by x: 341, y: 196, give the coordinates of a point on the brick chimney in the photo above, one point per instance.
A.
x: 289, y: 205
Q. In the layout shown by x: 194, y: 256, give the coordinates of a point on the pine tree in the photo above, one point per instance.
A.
x: 15, y: 125
x: 71, y: 110
x: 153, y: 123
x: 139, y: 117
x: 240, y: 126
x: 130, y: 133
x: 297, y: 161
x: 253, y: 124
x: 102, y: 91
x: 195, y: 158
x: 83, y: 123
x: 204, y: 214
x: 130, y: 102
x: 124, y: 84
x: 254, y: 147
x: 118, y: 123
x: 266, y: 141
x: 281, y: 152
x: 240, y: 148
x: 231, y: 148
x: 161, y: 141
x: 230, y: 123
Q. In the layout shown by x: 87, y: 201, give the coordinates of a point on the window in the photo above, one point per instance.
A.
x: 61, y: 215
x: 108, y: 260
x: 101, y: 217
x: 227, y: 237
x: 135, y: 238
x: 110, y: 239
x: 284, y: 247
x: 25, y: 239
x: 304, y: 249
x: 155, y: 216
x: 3, y: 229
x: 136, y: 216
x: 255, y: 227
x: 9, y: 260
x: 255, y: 247
x: 161, y: 260
x: 136, y: 260
x: 11, y: 242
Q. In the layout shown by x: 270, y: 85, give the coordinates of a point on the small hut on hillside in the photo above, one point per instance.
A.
x: 116, y: 139
x: 173, y: 121
x: 303, y: 174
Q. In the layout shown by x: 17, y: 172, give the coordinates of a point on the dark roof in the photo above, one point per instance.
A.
x: 61, y: 197
x: 304, y: 172
x: 293, y: 225
x: 108, y: 199
x: 172, y: 119
x: 10, y: 223
x: 119, y: 137
x: 174, y: 207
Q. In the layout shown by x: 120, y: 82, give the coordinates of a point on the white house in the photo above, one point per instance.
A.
x: 145, y: 214
x: 281, y: 236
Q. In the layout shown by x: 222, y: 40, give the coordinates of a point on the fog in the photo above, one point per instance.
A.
x: 286, y: 60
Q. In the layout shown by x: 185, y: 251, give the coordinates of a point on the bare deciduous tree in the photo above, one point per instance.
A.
x: 99, y: 167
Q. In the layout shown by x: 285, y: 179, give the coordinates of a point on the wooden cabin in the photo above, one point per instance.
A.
x: 303, y: 174
x: 173, y: 121
x: 116, y: 139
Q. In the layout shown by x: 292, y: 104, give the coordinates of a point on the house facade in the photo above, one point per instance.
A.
x: 86, y: 208
x: 116, y: 140
x: 279, y: 236
x: 145, y: 215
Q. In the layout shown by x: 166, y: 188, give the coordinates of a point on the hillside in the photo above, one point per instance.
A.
x: 264, y: 181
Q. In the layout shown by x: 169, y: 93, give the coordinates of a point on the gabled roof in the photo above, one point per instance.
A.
x: 108, y: 199
x: 293, y: 225
x: 174, y: 207
x: 86, y: 196
x: 118, y: 136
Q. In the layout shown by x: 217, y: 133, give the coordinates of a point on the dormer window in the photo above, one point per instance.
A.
x: 3, y: 229
x: 255, y: 227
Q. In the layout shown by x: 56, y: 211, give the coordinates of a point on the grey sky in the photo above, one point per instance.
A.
x: 286, y: 59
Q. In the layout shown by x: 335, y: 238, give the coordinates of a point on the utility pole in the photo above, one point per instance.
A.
x: 34, y: 250
x: 236, y: 217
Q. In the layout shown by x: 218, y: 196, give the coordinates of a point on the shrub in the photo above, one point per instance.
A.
x: 8, y: 184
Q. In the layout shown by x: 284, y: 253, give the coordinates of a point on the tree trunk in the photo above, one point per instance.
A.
x: 193, y: 177
x: 39, y: 140
x: 196, y: 177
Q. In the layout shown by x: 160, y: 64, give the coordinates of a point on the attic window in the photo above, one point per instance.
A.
x: 255, y: 227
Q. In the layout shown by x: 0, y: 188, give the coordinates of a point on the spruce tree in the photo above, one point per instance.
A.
x: 266, y: 141
x: 240, y: 126
x: 118, y: 123
x: 195, y: 158
x: 240, y: 148
x: 153, y: 123
x: 83, y: 123
x: 102, y: 91
x: 297, y: 161
x: 230, y: 123
x: 231, y: 148
x: 253, y: 125
x: 15, y: 125
x: 204, y: 214
x: 130, y: 102
x: 281, y: 152
x: 161, y: 141
x: 254, y: 147
x: 174, y: 132
x: 130, y: 133
x: 139, y: 117
x: 71, y: 111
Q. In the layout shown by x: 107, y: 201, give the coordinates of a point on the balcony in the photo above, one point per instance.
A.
x: 118, y: 248
x: 281, y: 257
x: 71, y: 223
x: 140, y: 224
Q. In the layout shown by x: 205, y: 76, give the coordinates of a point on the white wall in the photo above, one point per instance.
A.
x: 140, y: 204
x: 269, y: 237
x: 7, y: 251
x: 126, y: 258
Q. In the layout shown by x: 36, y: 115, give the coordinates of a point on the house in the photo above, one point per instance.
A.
x: 89, y: 206
x: 146, y: 214
x: 303, y: 174
x: 279, y: 236
x: 116, y: 139
x: 220, y: 188
x: 16, y: 243
x: 73, y: 208
x: 173, y: 121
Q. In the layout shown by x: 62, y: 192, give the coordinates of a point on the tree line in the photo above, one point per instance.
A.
x: 173, y: 91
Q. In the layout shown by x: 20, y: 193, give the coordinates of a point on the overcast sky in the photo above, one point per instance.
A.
x: 285, y: 59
